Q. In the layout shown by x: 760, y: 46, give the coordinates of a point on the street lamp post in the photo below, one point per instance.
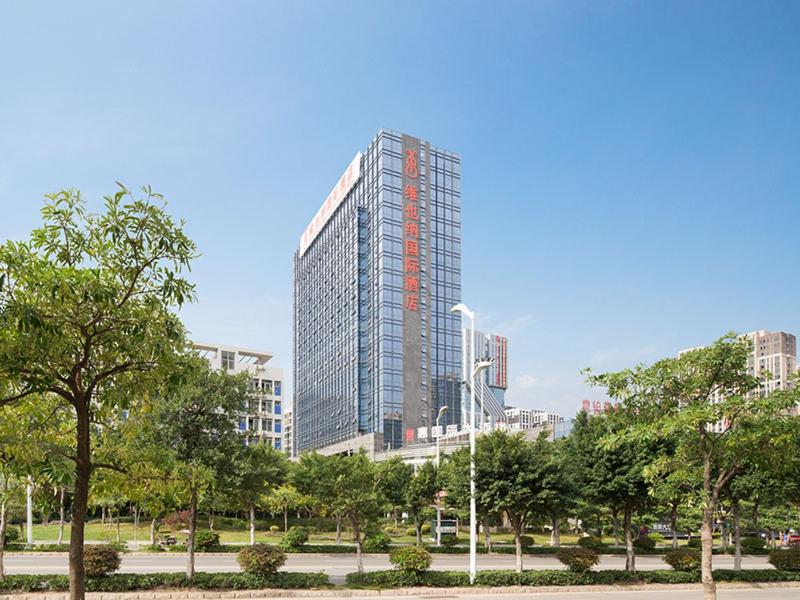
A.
x: 29, y: 510
x: 476, y: 368
x: 442, y: 410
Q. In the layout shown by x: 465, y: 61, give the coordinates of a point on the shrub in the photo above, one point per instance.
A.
x: 100, y: 560
x: 644, y: 542
x: 785, y: 560
x: 273, y: 529
x: 425, y: 528
x: 206, y: 540
x: 449, y: 540
x: 751, y: 545
x: 526, y: 541
x: 683, y: 559
x: 177, y: 520
x: 411, y: 531
x: 695, y: 543
x: 261, y: 559
x: 12, y: 535
x: 295, y: 537
x: 377, y: 542
x: 591, y: 542
x: 151, y: 548
x: 410, y: 559
x: 658, y: 538
x: 397, y: 578
x: 578, y: 560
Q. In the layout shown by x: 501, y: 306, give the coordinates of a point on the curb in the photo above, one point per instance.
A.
x: 190, y: 594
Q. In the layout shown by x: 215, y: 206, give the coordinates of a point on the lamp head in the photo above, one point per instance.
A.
x: 462, y: 308
x: 481, y: 365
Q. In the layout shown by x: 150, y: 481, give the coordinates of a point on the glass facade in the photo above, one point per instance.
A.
x: 376, y: 348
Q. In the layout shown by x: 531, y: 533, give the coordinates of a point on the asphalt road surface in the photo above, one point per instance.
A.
x: 338, y: 565
x: 722, y: 594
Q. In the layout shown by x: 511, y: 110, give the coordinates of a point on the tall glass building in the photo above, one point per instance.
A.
x: 376, y: 350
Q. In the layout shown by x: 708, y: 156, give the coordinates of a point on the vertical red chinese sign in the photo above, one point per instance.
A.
x: 412, y: 289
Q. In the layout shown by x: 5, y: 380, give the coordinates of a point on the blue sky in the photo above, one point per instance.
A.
x: 630, y: 169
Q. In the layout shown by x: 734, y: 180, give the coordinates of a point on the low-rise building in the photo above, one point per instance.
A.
x: 263, y: 421
x: 524, y: 419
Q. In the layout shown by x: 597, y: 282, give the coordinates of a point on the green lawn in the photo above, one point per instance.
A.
x: 96, y: 531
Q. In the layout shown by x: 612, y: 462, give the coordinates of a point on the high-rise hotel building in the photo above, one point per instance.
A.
x: 376, y: 350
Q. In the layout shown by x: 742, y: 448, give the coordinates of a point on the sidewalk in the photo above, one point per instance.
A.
x: 189, y: 594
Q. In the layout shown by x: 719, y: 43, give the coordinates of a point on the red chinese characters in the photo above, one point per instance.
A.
x: 411, y: 286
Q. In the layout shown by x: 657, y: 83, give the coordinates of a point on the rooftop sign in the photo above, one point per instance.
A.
x: 332, y: 202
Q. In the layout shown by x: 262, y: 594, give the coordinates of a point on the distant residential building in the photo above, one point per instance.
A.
x: 490, y: 345
x: 263, y: 421
x: 288, y: 433
x: 523, y: 419
x: 773, y: 361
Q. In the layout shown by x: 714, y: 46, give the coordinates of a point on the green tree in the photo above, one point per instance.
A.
x: 395, y: 476
x: 258, y: 469
x: 420, y: 494
x: 358, y: 496
x: 612, y: 475
x: 558, y: 491
x: 85, y: 305
x: 316, y: 476
x: 195, y: 418
x: 283, y: 499
x: 708, y: 403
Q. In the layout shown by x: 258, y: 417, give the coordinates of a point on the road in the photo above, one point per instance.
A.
x: 338, y: 565
x: 722, y: 594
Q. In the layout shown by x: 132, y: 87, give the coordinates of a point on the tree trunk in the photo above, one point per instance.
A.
x: 518, y: 548
x: 614, y: 526
x: 359, y: 558
x: 252, y: 525
x: 338, y: 529
x: 83, y: 470
x: 630, y: 555
x: 2, y: 537
x: 119, y: 537
x: 418, y: 531
x: 211, y: 516
x: 706, y: 575
x: 136, y: 514
x: 556, y: 535
x: 153, y: 532
x: 102, y: 515
x: 192, y: 529
x: 674, y: 525
x: 285, y: 520
x: 60, y: 516
x: 737, y: 537
x: 487, y: 536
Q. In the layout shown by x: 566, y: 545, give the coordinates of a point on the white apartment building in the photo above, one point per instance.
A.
x: 524, y: 419
x: 264, y: 419
x: 288, y: 433
x: 773, y: 361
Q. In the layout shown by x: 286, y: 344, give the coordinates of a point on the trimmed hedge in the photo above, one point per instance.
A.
x: 296, y: 537
x: 410, y: 559
x: 135, y: 581
x: 390, y: 579
x: 261, y: 559
x: 100, y: 560
x: 578, y: 560
x: 683, y: 559
x: 786, y: 560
